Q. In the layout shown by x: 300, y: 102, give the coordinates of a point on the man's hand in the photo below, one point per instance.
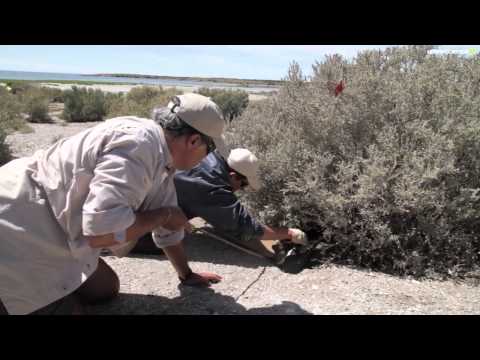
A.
x: 298, y: 236
x: 201, y: 279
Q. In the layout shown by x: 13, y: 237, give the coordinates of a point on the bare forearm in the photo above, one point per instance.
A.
x: 144, y: 223
x: 178, y: 258
x: 270, y: 233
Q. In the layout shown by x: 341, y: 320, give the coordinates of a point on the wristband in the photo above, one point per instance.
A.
x: 120, y: 236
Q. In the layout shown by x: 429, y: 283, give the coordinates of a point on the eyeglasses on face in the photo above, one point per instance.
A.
x: 244, y: 183
x: 243, y: 180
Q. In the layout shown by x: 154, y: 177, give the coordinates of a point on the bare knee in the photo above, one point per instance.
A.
x: 103, y: 285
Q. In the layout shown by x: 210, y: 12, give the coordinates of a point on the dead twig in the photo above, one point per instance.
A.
x: 251, y: 284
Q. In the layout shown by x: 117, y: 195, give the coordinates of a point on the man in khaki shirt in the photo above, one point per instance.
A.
x: 102, y: 188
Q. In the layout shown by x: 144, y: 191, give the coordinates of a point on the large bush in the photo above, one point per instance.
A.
x: 139, y: 101
x: 144, y: 94
x: 83, y: 105
x: 231, y: 102
x: 5, y: 155
x: 35, y: 102
x: 4, y: 149
x: 10, y: 120
x: 53, y: 95
x: 387, y: 173
x: 10, y: 111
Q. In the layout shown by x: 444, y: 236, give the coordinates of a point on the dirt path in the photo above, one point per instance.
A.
x: 251, y: 285
x: 44, y: 135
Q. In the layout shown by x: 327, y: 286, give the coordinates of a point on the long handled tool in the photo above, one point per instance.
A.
x: 239, y: 247
x: 290, y: 258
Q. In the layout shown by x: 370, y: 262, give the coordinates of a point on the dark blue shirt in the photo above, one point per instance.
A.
x: 205, y: 192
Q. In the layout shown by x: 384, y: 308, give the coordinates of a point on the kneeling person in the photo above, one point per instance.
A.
x: 208, y: 191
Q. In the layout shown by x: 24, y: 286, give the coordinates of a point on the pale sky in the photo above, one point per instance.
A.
x: 237, y: 61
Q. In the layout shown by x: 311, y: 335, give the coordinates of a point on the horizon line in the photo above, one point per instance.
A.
x: 139, y: 75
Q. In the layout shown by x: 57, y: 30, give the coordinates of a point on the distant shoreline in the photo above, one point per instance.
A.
x: 70, y: 82
x: 243, y: 82
x: 249, y: 88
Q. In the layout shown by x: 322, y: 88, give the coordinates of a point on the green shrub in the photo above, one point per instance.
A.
x: 10, y: 111
x: 144, y: 94
x: 388, y: 172
x: 83, y: 105
x: 114, y: 103
x: 53, y: 95
x: 35, y: 104
x: 139, y: 101
x: 231, y: 102
x: 37, y: 110
x: 10, y: 120
x: 18, y: 86
x: 4, y: 149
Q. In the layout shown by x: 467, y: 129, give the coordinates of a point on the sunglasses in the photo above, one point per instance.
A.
x: 243, y: 180
x: 243, y: 183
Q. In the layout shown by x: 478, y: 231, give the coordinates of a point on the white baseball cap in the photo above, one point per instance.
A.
x: 246, y: 164
x: 201, y: 113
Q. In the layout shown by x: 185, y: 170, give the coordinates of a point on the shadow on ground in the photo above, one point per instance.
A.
x: 201, y: 248
x: 192, y: 301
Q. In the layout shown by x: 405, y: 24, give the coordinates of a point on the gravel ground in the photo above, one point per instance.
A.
x: 42, y: 137
x: 252, y: 286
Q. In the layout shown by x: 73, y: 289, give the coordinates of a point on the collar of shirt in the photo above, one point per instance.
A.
x: 166, y: 151
x: 213, y: 169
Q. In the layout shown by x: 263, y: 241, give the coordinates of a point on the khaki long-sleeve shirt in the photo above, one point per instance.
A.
x: 89, y: 184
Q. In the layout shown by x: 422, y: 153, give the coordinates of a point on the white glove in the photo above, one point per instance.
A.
x: 298, y: 236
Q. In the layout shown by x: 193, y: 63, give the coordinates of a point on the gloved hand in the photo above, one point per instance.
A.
x: 298, y: 236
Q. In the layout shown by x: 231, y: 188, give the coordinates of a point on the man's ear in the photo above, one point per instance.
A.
x: 194, y: 140
x: 232, y: 177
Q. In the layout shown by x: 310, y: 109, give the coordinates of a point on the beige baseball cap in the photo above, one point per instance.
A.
x: 245, y: 163
x: 201, y: 113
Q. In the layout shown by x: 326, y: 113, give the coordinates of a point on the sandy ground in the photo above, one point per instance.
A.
x: 44, y: 135
x: 127, y: 88
x: 251, y: 285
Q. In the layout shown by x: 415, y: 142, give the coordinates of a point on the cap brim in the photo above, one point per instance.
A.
x: 221, y: 146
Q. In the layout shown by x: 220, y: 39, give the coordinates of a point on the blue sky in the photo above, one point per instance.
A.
x: 239, y: 61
